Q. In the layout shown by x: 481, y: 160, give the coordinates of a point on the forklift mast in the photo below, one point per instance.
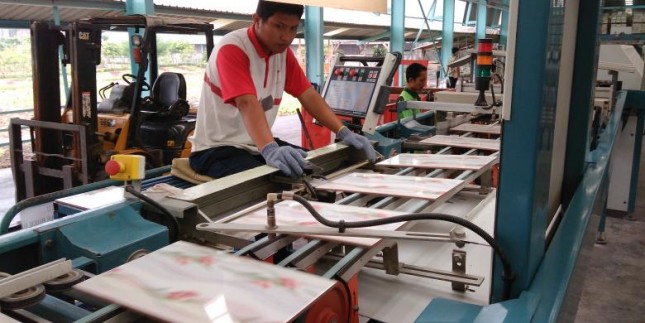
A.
x: 46, y: 84
x: 84, y: 55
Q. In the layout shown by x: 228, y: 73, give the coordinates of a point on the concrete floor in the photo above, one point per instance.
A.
x: 614, y: 290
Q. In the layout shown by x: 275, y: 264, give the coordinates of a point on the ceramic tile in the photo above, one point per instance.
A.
x: 392, y: 185
x: 184, y: 282
x: 463, y: 142
x: 94, y: 199
x: 479, y: 128
x: 291, y: 213
x: 472, y: 162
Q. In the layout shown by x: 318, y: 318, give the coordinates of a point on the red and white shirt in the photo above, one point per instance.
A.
x: 239, y: 65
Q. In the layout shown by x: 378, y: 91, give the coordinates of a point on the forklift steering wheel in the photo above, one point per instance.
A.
x: 129, y: 78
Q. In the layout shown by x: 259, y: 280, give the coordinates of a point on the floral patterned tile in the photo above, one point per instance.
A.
x: 291, y: 213
x: 185, y: 282
x: 472, y: 162
x: 464, y: 142
x: 392, y: 185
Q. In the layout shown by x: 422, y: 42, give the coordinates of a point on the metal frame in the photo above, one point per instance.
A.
x: 26, y: 172
x: 314, y: 30
x: 447, y: 33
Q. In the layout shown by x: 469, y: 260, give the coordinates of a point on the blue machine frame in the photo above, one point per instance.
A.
x: 544, y: 300
x: 546, y: 271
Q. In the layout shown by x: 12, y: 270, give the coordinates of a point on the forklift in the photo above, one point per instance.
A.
x: 71, y: 147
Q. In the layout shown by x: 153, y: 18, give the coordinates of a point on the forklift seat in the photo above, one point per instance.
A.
x: 181, y: 168
x: 167, y: 98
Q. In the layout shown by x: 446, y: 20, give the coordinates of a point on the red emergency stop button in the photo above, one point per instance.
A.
x: 337, y: 72
x: 113, y: 167
x: 352, y: 73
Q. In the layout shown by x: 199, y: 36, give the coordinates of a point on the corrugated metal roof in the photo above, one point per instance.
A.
x: 24, y: 12
x: 214, y: 11
x: 32, y: 13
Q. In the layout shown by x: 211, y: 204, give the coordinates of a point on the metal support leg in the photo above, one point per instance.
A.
x: 391, y: 260
x: 459, y: 267
x: 600, y: 238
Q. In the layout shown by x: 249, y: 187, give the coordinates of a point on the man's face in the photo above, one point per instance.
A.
x: 417, y: 83
x: 277, y: 32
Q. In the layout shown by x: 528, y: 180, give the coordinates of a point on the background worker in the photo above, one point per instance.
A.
x: 245, y: 78
x: 453, y: 72
x: 416, y: 76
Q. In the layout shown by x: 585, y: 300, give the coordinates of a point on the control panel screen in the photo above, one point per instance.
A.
x: 350, y: 90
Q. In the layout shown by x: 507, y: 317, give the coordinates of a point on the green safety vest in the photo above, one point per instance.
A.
x: 408, y: 95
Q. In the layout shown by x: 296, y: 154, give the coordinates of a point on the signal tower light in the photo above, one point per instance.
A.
x: 483, y: 71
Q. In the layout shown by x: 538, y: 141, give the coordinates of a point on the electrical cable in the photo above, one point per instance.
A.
x: 508, y: 276
x: 501, y: 81
x: 174, y: 224
x: 310, y: 188
x: 495, y: 103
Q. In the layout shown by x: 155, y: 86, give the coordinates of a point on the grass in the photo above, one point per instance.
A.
x: 18, y: 93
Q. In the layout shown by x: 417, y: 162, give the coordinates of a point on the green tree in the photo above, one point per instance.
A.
x: 378, y: 51
x: 16, y: 57
x: 114, y: 49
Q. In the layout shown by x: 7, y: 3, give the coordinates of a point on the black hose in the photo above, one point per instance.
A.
x: 501, y: 81
x: 174, y: 224
x: 508, y: 276
x: 311, y: 189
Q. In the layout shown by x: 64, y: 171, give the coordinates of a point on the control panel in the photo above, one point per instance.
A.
x: 350, y: 89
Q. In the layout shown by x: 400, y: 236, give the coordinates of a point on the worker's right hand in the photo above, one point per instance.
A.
x: 288, y: 160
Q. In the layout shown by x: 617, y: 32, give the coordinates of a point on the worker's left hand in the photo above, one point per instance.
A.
x: 358, y: 141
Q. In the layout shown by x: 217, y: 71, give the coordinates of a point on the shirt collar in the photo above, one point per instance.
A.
x: 256, y: 42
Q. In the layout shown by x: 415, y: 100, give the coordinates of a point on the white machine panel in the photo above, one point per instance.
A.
x: 622, y: 159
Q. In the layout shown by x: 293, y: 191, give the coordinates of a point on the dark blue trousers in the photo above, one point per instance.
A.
x: 227, y: 160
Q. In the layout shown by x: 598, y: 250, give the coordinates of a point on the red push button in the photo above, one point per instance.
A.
x: 113, y: 167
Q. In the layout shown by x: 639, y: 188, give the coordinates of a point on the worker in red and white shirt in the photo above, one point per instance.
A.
x: 246, y: 75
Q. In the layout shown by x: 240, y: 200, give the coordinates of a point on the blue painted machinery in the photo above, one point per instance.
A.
x: 547, y: 263
x: 96, y: 240
x: 101, y: 239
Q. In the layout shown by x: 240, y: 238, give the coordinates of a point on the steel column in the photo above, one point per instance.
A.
x: 142, y: 7
x: 397, y: 27
x: 480, y: 30
x: 447, y: 33
x: 137, y: 7
x: 526, y: 150
x: 314, y: 30
x: 397, y: 31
